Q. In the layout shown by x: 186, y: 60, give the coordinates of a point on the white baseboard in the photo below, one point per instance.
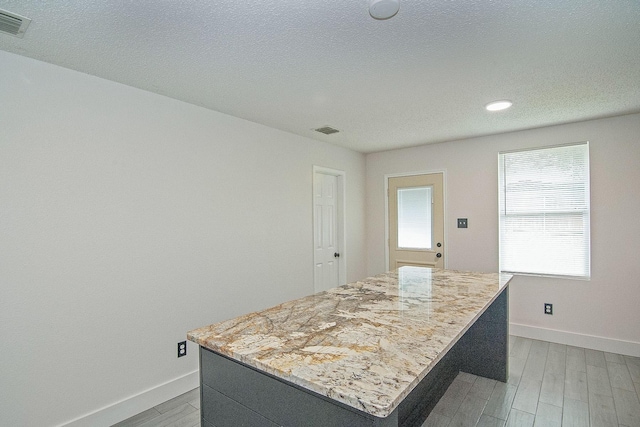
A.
x: 133, y: 405
x: 593, y: 342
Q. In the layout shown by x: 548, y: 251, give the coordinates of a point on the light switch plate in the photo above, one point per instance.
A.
x: 462, y: 222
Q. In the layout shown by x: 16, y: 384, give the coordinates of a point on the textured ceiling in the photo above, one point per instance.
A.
x: 420, y: 77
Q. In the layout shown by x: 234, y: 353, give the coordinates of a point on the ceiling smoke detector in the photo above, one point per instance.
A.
x: 13, y: 24
x: 327, y: 130
x: 383, y: 9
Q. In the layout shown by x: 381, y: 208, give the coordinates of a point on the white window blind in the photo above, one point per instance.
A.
x: 415, y: 217
x: 544, y: 211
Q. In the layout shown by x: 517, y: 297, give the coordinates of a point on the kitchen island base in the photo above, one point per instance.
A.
x: 234, y: 394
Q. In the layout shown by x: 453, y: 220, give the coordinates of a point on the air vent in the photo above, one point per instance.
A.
x: 327, y: 130
x: 13, y: 24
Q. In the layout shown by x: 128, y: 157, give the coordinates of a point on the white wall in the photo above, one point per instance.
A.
x: 127, y: 219
x: 602, y: 312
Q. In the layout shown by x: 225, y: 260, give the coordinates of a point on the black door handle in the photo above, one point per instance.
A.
x: 336, y: 254
x: 439, y: 255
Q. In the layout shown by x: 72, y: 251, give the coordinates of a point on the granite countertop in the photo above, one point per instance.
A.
x: 366, y: 344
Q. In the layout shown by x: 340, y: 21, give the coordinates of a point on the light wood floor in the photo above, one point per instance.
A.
x: 549, y: 385
x: 181, y: 411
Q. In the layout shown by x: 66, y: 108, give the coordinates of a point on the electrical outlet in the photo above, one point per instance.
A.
x: 548, y: 308
x: 182, y: 348
x: 462, y: 222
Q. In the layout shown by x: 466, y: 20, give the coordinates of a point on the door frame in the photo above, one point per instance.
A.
x: 341, y: 217
x: 386, y: 210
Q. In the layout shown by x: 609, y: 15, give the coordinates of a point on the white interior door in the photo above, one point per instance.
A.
x: 328, y: 230
x: 416, y: 221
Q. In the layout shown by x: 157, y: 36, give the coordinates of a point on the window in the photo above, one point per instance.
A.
x: 414, y: 218
x: 544, y: 211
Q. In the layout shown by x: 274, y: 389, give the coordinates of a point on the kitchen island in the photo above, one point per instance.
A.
x: 377, y: 352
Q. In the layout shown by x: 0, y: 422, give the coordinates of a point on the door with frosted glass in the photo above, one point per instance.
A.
x: 416, y: 221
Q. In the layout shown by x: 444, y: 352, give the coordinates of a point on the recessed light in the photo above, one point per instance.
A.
x: 498, y: 105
